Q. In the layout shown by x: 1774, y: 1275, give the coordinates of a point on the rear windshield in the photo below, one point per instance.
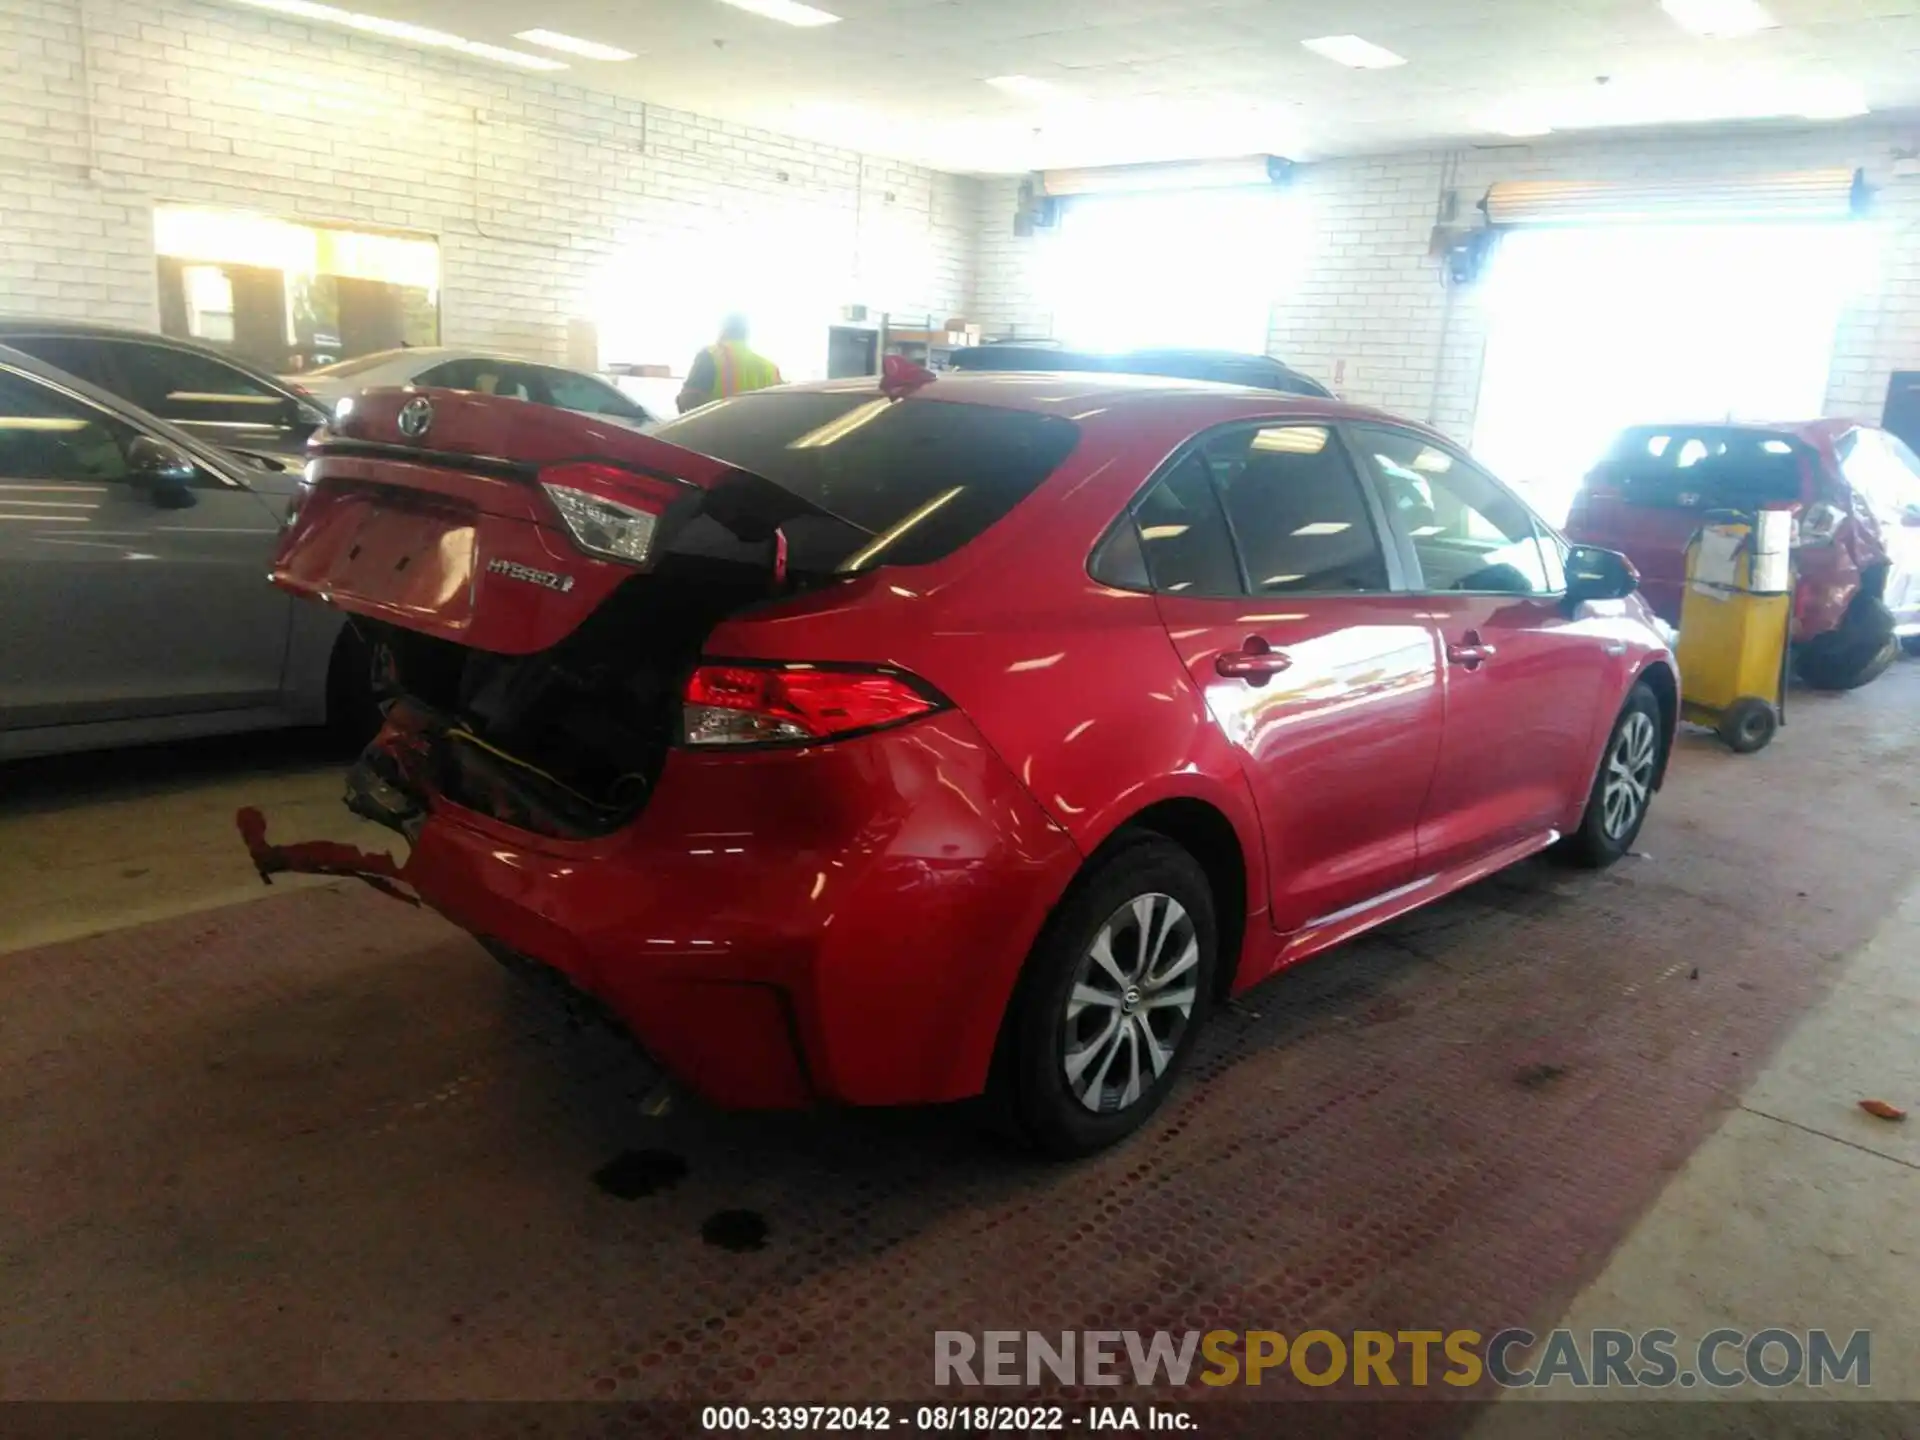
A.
x: 918, y: 477
x: 1703, y: 468
x: 341, y: 369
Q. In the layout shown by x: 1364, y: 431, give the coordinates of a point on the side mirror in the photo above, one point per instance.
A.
x: 299, y: 419
x: 1596, y: 574
x: 163, y: 470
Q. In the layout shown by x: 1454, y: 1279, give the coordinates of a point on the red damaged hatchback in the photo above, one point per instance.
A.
x: 973, y: 734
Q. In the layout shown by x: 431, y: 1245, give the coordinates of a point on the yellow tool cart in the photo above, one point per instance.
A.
x: 1736, y: 618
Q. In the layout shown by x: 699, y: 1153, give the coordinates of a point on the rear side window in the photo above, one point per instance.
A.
x: 921, y: 477
x: 359, y: 365
x: 1184, y: 534
x: 1703, y: 468
x: 181, y: 385
x: 1298, y: 511
x: 74, y: 354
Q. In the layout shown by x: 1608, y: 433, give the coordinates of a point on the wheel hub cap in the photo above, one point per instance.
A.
x: 1127, y: 1009
x: 1629, y: 782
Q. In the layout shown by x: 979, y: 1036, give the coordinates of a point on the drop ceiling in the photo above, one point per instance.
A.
x: 1110, y: 81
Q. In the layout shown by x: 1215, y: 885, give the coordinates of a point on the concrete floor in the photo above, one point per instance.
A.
x: 306, y: 1143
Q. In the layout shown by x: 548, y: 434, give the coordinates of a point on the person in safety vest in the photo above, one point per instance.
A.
x: 727, y: 367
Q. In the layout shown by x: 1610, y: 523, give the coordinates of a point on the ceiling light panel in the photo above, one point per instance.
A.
x: 407, y: 31
x: 1719, y: 19
x: 574, y: 45
x: 787, y: 12
x: 1026, y: 87
x: 1351, y: 50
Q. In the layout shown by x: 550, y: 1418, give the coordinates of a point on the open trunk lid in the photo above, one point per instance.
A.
x: 500, y: 525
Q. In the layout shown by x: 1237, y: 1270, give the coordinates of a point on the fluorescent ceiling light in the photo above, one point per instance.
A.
x: 1291, y: 440
x: 1519, y: 126
x: 787, y: 12
x: 1025, y: 86
x: 1352, y: 50
x: 501, y: 55
x: 1324, y: 527
x: 1720, y: 19
x: 406, y: 30
x: 574, y: 45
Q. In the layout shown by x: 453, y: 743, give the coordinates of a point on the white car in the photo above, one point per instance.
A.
x: 473, y: 370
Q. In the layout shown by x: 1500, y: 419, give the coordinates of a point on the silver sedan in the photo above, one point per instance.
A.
x: 133, y: 564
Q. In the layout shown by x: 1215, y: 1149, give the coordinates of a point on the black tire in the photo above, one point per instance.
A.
x: 1599, y: 841
x: 1748, y: 725
x: 353, y: 705
x: 1030, y: 1090
x: 1852, y: 654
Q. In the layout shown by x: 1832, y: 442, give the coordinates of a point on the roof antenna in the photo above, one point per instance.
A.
x: 900, y: 377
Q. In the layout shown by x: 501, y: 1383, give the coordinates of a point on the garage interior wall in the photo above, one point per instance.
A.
x: 1366, y: 311
x: 553, y: 204
x: 550, y: 203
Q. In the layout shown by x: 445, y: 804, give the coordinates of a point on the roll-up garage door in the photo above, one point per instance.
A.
x: 1798, y: 195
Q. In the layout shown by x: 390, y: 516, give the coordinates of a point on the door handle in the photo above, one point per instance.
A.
x: 1469, y: 651
x: 1255, y: 662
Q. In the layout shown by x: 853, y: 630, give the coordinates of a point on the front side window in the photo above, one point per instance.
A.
x: 1297, y: 511
x: 49, y: 441
x: 190, y: 388
x: 1467, y: 533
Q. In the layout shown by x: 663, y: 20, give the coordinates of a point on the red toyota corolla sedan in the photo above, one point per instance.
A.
x: 897, y: 743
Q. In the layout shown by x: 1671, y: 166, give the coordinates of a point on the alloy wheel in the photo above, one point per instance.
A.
x: 1132, y: 997
x: 1630, y: 761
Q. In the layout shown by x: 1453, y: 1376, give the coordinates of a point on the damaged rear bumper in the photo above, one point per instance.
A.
x: 775, y: 928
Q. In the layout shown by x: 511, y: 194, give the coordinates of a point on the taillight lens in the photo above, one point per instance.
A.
x: 610, y: 512
x: 796, y: 704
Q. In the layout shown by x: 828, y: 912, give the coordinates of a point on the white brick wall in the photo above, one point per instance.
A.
x: 1369, y: 296
x: 552, y: 203
x: 548, y: 201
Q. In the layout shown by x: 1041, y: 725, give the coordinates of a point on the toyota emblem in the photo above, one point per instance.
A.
x: 416, y: 417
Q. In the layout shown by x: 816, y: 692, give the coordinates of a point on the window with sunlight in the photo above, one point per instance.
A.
x: 1592, y: 329
x: 1188, y: 268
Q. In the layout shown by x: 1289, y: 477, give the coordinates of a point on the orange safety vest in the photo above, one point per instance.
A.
x: 738, y: 369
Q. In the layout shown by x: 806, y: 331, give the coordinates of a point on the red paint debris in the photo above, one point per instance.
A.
x: 319, y: 857
x: 1882, y: 1110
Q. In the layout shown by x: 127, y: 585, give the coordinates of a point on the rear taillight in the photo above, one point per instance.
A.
x: 610, y: 512
x: 1816, y: 524
x: 751, y: 704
